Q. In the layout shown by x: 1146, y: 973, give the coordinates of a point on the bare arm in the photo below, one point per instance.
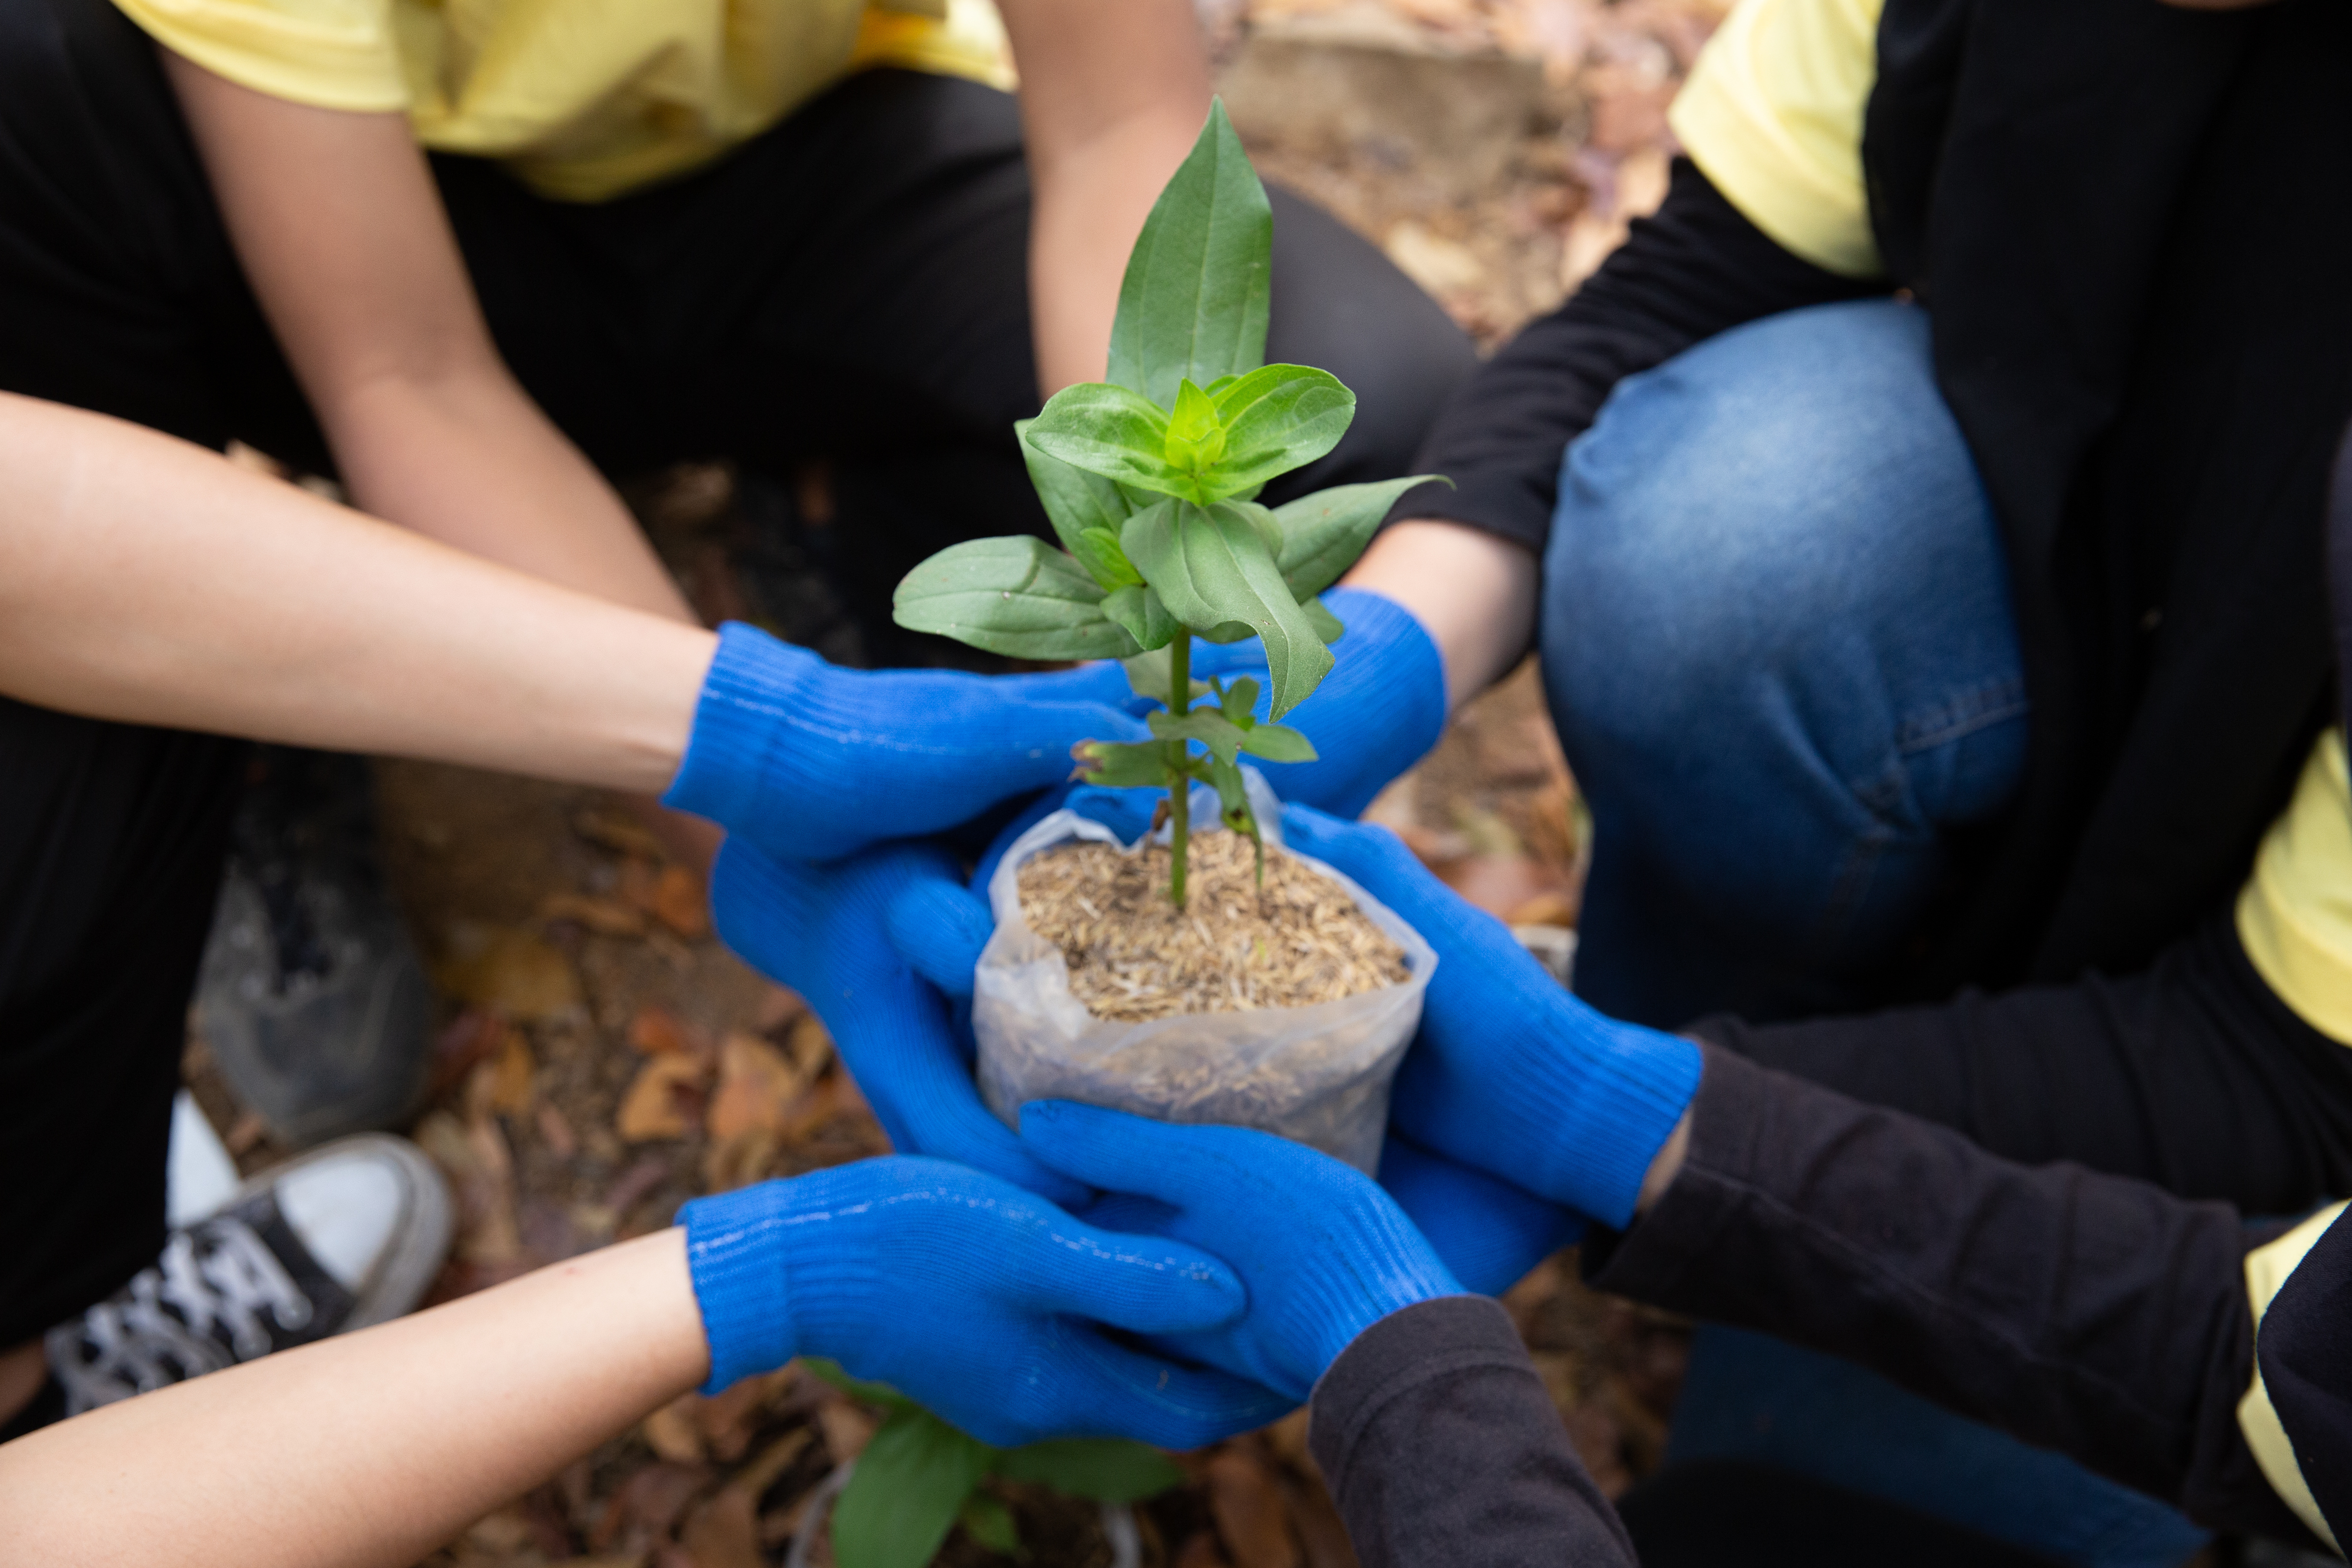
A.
x: 147, y: 580
x: 374, y: 1447
x: 1473, y: 591
x: 1112, y: 96
x: 338, y: 226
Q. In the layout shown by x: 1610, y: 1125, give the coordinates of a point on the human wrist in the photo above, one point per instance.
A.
x: 752, y: 681
x: 736, y: 1259
x: 1473, y: 591
x: 1601, y: 1100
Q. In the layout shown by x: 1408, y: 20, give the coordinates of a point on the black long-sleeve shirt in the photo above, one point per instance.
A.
x: 2087, y: 1313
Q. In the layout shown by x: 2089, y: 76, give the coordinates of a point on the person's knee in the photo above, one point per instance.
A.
x: 1746, y: 516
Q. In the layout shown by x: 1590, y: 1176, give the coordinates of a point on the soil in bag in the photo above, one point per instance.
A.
x: 1133, y: 955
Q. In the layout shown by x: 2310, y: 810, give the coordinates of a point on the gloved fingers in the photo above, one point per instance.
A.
x: 1488, y: 1232
x: 1146, y: 1284
x: 1171, y: 1405
x: 1102, y: 681
x: 1131, y: 1211
x: 939, y: 927
x: 1369, y: 854
x: 1177, y: 1165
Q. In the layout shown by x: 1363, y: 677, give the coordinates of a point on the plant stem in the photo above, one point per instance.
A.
x: 1179, y: 772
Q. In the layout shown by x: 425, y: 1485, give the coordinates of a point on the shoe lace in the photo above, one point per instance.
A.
x: 198, y: 1309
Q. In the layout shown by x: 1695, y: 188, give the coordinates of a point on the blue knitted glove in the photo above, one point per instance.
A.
x: 1324, y: 1252
x: 1510, y: 1074
x: 1377, y: 713
x: 811, y: 762
x: 826, y: 931
x: 1489, y: 1232
x: 982, y: 1302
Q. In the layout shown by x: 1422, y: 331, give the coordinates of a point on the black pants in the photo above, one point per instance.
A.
x: 851, y: 288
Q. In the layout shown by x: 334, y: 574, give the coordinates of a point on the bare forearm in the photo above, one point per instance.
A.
x: 1475, y: 593
x: 1111, y: 99
x: 145, y: 580
x: 467, y: 458
x: 370, y: 1448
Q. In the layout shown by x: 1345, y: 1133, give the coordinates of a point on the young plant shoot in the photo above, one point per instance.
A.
x: 920, y: 1478
x: 1151, y: 479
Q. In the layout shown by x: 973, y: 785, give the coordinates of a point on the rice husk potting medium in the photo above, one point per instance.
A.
x: 1286, y: 1010
x: 1133, y: 954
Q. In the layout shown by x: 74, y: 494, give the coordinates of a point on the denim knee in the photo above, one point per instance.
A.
x: 1779, y: 538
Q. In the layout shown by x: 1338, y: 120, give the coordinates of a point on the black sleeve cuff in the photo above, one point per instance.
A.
x: 1442, y: 1446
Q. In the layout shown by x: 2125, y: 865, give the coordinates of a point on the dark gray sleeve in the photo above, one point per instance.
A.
x: 2091, y: 1314
x: 1442, y: 1448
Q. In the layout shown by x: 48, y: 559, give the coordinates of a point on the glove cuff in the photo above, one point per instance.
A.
x: 1412, y: 670
x: 1611, y: 1112
x: 735, y: 1257
x: 754, y: 685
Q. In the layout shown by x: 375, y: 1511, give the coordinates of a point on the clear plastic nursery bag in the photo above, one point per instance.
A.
x: 1318, y: 1075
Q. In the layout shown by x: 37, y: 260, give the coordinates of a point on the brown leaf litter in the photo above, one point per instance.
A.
x: 1133, y: 955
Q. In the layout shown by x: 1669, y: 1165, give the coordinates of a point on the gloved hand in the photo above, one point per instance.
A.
x: 1377, y: 713
x: 827, y: 932
x: 812, y: 762
x: 1510, y: 1073
x: 1324, y: 1252
x: 981, y: 1300
x: 1488, y: 1232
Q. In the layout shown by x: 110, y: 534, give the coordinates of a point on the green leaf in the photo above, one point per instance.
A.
x: 989, y: 1522
x: 1018, y: 596
x: 1140, y: 764
x: 1276, y: 419
x: 1111, y: 431
x: 910, y: 1485
x: 1196, y: 437
x: 1327, y: 626
x: 1194, y: 303
x: 1239, y: 701
x: 1148, y: 675
x: 1102, y: 1469
x: 1147, y: 620
x: 1074, y: 499
x: 882, y: 1393
x: 1098, y: 551
x: 1279, y: 743
x: 1211, y: 729
x: 1211, y: 565
x: 1323, y: 533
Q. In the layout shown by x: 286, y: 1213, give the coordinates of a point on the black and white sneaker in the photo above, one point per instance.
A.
x: 311, y: 995
x: 346, y: 1236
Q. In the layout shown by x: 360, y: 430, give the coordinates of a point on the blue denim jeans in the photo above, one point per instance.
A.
x: 1777, y: 642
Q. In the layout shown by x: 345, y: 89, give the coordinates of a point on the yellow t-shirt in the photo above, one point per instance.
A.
x: 2294, y: 913
x: 583, y: 99
x: 1772, y: 114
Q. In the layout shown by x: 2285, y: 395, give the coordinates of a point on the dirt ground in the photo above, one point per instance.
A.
x: 600, y: 1058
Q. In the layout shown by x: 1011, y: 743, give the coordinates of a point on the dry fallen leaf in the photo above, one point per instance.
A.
x: 606, y: 917
x: 1245, y: 1500
x: 611, y: 830
x: 657, y: 1031
x: 505, y: 1080
x: 724, y: 1532
x: 664, y: 1101
x: 672, y: 1432
x: 511, y: 972
x: 1439, y: 264
x: 678, y: 902
x: 555, y: 1129
x: 757, y: 1085
x: 847, y: 1429
x: 474, y: 1155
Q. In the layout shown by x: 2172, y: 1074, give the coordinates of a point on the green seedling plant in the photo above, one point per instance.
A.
x: 920, y: 1478
x: 1150, y: 481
